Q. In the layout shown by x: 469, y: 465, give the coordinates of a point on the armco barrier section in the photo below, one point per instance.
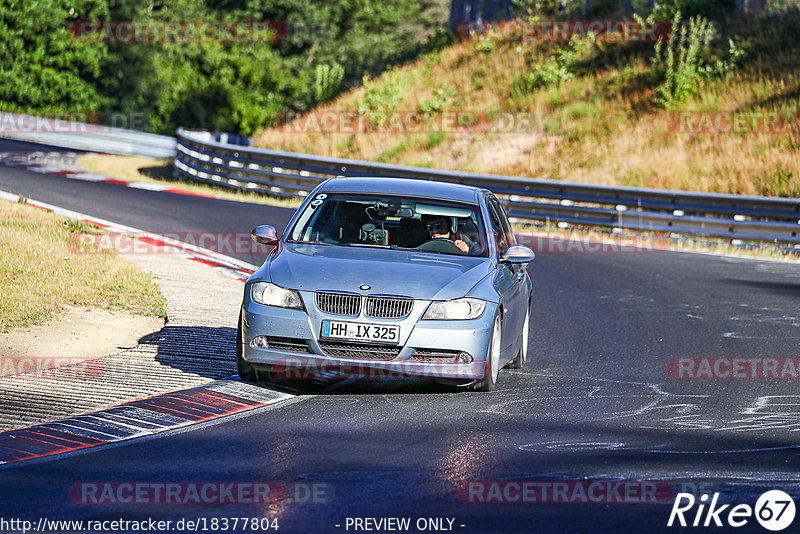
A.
x: 213, y: 158
x: 85, y: 137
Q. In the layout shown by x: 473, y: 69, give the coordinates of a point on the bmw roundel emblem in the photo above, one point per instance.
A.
x: 365, y: 287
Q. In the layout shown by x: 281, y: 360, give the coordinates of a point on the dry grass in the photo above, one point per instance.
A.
x: 159, y: 171
x: 600, y: 127
x: 40, y: 272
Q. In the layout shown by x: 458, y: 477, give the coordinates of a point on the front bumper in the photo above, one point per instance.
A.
x: 416, y: 335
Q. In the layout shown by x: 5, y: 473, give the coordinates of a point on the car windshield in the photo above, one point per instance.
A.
x: 385, y: 221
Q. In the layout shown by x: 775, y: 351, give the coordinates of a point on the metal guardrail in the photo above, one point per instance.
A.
x: 213, y: 158
x: 88, y: 137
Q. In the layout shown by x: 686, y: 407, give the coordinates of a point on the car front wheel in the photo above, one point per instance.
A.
x: 522, y: 355
x: 489, y: 380
x: 246, y: 371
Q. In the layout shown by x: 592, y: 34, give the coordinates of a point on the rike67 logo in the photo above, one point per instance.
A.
x: 774, y: 510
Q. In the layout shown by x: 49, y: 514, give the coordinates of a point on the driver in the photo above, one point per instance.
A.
x: 438, y: 227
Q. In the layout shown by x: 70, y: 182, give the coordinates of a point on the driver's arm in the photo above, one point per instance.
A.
x: 461, y: 244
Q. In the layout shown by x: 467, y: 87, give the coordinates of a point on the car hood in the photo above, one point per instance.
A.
x: 419, y: 275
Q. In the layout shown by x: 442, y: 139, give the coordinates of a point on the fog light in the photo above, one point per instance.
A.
x: 463, y: 357
x: 259, y: 342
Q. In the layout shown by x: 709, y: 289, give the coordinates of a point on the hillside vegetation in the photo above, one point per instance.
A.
x: 594, y: 111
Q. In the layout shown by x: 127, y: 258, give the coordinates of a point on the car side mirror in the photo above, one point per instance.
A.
x: 518, y: 254
x: 264, y: 234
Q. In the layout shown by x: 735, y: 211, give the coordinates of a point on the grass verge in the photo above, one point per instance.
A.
x: 40, y: 271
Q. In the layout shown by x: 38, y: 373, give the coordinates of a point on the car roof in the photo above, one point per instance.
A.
x: 403, y: 186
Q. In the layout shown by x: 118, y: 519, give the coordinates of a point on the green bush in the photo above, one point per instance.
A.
x: 381, y: 97
x: 685, y: 61
x: 554, y: 71
x: 558, y: 67
x: 442, y: 99
x: 681, y: 60
x: 327, y: 80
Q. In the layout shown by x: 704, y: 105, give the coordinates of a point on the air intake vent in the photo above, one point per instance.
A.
x: 359, y: 351
x: 339, y: 303
x: 440, y: 356
x: 389, y: 307
x: 288, y: 344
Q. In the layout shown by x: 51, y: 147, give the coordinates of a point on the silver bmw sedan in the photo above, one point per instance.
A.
x: 389, y: 277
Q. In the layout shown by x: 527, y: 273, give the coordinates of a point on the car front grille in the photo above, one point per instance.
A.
x: 389, y: 307
x: 288, y: 344
x: 359, y: 351
x: 339, y: 303
x: 379, y: 307
x: 435, y: 355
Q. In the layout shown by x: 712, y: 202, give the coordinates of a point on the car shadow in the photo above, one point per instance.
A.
x: 781, y: 288
x: 206, y: 351
x: 211, y: 352
x: 328, y: 384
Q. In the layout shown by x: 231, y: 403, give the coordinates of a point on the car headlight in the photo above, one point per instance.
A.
x: 457, y: 309
x: 272, y: 295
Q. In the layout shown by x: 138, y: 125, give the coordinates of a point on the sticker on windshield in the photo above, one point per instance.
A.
x: 316, y: 202
x: 321, y: 196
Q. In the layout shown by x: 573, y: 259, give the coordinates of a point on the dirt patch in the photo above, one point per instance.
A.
x: 477, y: 152
x: 75, y: 335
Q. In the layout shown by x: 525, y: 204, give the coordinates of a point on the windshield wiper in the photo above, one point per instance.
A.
x: 314, y: 242
x: 368, y: 245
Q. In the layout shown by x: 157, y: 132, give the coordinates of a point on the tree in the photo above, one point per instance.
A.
x: 42, y: 67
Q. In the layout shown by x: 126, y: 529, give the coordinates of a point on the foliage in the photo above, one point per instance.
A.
x: 327, y: 80
x: 41, y: 68
x: 685, y: 60
x: 558, y: 67
x: 682, y: 60
x: 442, y: 99
x: 233, y: 86
x: 380, y: 96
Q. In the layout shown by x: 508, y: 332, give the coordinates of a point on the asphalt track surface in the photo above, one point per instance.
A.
x: 594, y: 403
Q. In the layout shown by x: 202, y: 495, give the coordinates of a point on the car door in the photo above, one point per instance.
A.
x: 509, y: 280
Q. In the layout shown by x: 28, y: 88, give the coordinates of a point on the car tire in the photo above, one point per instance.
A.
x: 246, y: 371
x: 522, y: 355
x: 489, y: 380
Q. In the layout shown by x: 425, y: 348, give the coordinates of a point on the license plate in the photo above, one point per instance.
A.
x: 361, y: 331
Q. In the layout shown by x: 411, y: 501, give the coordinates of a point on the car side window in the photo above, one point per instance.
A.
x: 510, y: 239
x: 497, y: 228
